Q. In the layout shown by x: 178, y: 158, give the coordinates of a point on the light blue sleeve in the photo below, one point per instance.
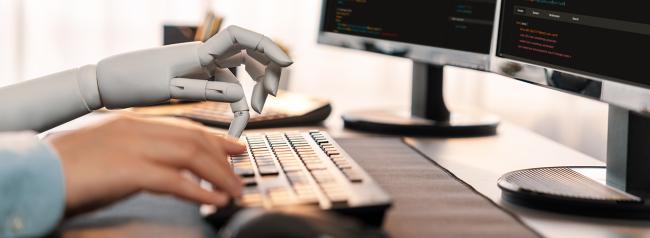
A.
x: 31, y: 186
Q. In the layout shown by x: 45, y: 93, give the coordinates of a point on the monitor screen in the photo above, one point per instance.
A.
x: 603, y: 39
x: 464, y: 25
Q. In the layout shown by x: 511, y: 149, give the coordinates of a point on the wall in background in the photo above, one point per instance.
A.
x: 39, y: 37
x: 8, y: 41
x: 570, y: 120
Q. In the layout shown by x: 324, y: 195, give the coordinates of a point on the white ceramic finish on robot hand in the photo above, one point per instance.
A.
x: 181, y: 71
x: 263, y: 59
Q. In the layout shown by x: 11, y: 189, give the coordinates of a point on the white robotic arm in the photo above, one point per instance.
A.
x: 192, y: 71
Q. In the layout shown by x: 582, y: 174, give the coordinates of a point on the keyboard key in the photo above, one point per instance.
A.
x: 242, y: 166
x: 265, y: 163
x: 280, y: 192
x: 323, y: 177
x: 290, y: 168
x: 268, y: 170
x: 244, y: 172
x: 291, y: 163
x: 315, y: 166
x: 249, y: 182
x: 355, y: 178
x: 281, y: 196
x: 309, y: 157
x: 307, y: 198
x: 286, y: 156
x: 330, y: 153
x: 343, y: 165
x: 338, y: 199
x: 264, y: 158
x: 328, y: 148
x: 311, y: 160
x: 239, y: 161
x: 297, y: 178
x: 251, y: 199
x: 300, y: 157
x: 352, y: 175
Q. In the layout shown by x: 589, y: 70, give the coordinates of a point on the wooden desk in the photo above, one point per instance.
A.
x: 481, y: 161
x: 476, y: 161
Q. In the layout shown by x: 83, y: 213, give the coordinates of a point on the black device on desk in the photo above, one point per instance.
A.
x: 592, y: 49
x: 432, y: 34
x: 290, y: 169
x: 287, y: 109
x: 306, y: 169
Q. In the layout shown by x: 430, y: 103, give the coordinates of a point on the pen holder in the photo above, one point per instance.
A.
x: 174, y: 34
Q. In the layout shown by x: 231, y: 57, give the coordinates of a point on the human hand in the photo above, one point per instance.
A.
x: 122, y: 156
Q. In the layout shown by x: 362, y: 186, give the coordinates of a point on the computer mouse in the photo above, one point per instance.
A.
x: 295, y: 222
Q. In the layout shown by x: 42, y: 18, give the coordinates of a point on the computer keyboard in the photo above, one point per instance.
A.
x: 306, y: 169
x: 287, y: 109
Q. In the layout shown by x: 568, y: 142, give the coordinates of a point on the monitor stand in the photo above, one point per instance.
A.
x: 620, y: 190
x: 429, y: 114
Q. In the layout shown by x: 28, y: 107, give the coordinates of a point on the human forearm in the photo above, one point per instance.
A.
x: 31, y: 186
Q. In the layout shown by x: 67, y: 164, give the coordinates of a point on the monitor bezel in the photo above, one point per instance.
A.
x: 416, y: 52
x: 615, y: 92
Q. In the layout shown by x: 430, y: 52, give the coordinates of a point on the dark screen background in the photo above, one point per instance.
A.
x: 592, y: 50
x: 456, y: 24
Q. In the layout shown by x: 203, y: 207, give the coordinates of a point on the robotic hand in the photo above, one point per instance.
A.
x: 195, y: 71
x: 191, y: 71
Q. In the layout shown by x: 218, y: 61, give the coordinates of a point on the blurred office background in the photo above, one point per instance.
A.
x: 39, y: 37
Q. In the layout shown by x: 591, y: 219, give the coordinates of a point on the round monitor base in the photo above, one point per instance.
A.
x: 387, y: 122
x: 573, y: 190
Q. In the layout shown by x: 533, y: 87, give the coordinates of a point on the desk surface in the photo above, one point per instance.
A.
x: 476, y: 161
x: 481, y: 161
x: 427, y: 202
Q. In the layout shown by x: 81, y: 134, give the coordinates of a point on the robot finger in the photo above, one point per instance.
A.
x: 210, y: 68
x: 274, y: 52
x: 240, y: 118
x: 272, y: 78
x: 188, y: 89
x: 234, y: 91
x: 232, y: 61
x: 238, y: 124
x: 227, y: 43
x: 239, y: 108
x: 233, y: 37
x: 223, y: 91
x: 224, y: 75
x: 260, y: 43
x: 259, y: 97
x: 263, y: 59
x: 254, y: 68
x: 202, y: 90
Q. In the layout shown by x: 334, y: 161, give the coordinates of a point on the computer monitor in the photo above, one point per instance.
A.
x: 431, y: 33
x: 594, y: 49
